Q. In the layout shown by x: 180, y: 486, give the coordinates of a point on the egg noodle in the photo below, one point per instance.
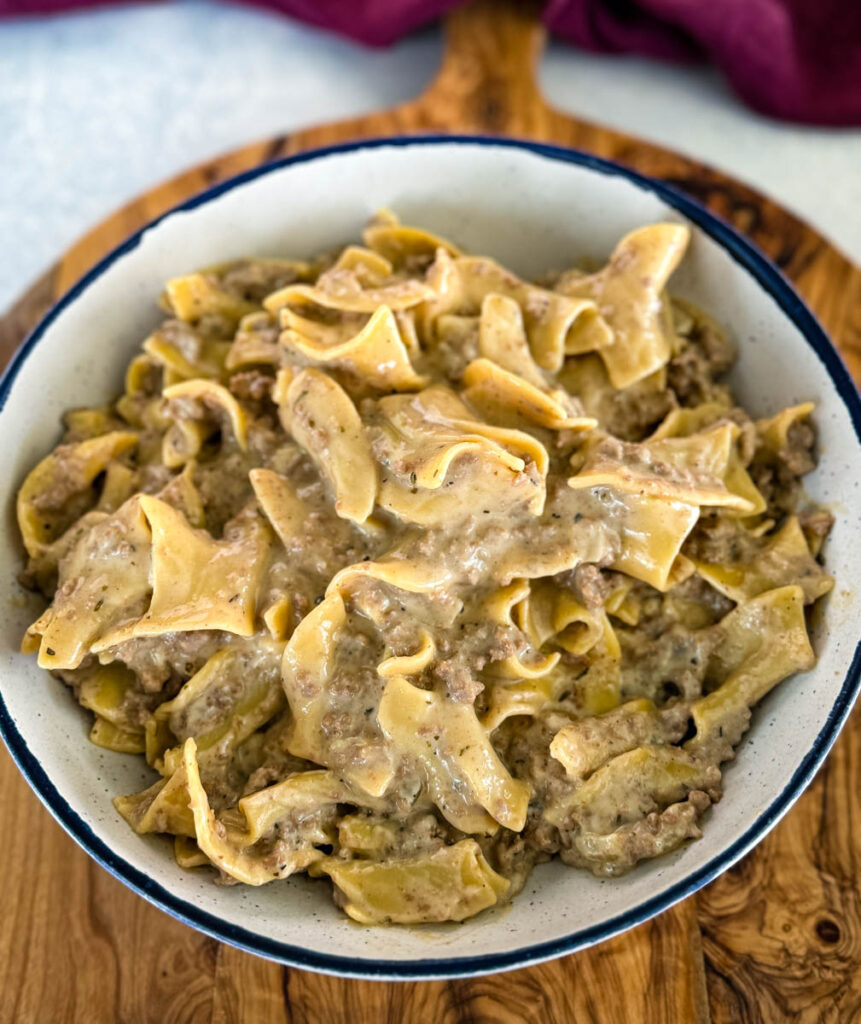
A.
x: 404, y: 571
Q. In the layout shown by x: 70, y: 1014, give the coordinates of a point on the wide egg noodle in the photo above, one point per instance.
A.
x: 104, y: 690
x: 628, y: 293
x: 697, y: 469
x: 455, y: 881
x: 370, y: 268
x: 651, y: 530
x: 507, y: 381
x: 410, y: 664
x: 502, y: 339
x: 505, y: 607
x: 323, y: 420
x: 279, y: 502
x: 774, y: 431
x: 201, y: 358
x: 499, y: 393
x: 196, y: 296
x: 235, y: 693
x: 198, y: 582
x: 423, y: 440
x: 376, y: 354
x: 163, y: 807
x: 465, y: 777
x: 783, y: 559
x: 310, y: 667
x: 255, y: 343
x: 308, y: 663
x: 104, y: 581
x: 238, y: 864
x: 70, y: 470
x: 347, y: 294
x: 403, y: 243
x: 684, y: 423
x: 556, y: 325
x: 761, y: 642
x: 216, y: 397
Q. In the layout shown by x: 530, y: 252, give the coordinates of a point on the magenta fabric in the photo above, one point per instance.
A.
x: 793, y: 59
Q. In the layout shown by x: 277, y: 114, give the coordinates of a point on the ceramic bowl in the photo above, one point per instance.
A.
x: 532, y: 207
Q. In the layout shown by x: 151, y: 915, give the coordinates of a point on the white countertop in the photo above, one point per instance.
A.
x: 97, y: 106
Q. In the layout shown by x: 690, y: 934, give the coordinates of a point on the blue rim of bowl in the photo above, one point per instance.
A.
x: 783, y: 293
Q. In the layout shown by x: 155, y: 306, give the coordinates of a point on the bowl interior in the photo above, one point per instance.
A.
x: 533, y: 210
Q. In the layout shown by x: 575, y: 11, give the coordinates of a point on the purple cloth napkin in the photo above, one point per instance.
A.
x: 794, y: 59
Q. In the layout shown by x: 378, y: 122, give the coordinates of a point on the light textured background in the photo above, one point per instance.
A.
x: 95, y: 107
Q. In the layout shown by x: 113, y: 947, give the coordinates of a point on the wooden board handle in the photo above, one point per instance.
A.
x: 488, y: 74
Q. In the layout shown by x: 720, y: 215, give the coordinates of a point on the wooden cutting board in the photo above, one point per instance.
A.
x: 777, y: 938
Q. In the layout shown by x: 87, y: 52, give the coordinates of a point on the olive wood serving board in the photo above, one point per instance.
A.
x: 776, y: 938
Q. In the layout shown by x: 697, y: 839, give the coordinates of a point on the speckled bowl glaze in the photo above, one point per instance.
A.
x: 532, y: 207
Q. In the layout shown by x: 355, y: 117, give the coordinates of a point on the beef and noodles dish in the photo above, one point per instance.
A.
x: 404, y: 571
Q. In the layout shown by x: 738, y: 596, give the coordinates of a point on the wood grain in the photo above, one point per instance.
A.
x: 782, y: 930
x: 776, y: 939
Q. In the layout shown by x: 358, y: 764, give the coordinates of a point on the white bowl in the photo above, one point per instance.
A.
x: 533, y: 207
